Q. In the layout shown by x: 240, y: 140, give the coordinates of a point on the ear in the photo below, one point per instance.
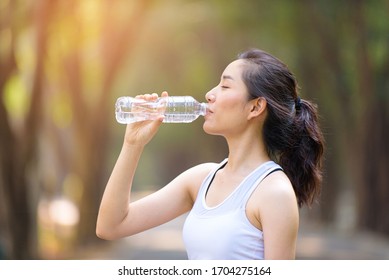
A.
x: 258, y: 107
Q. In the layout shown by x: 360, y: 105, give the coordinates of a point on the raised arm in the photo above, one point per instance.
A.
x: 118, y: 215
x: 114, y: 207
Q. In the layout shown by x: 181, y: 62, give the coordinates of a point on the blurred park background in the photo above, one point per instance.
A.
x: 63, y: 64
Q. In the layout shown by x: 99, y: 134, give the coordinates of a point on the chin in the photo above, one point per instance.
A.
x: 206, y: 128
x: 209, y: 129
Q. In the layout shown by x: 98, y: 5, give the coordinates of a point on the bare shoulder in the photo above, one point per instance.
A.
x: 199, y: 172
x: 275, y: 194
x: 277, y: 186
x: 278, y: 217
x: 195, y: 175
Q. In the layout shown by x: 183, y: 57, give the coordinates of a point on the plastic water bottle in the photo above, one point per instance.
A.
x: 176, y: 109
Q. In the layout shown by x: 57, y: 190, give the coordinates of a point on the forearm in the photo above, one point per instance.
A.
x: 116, y: 199
x: 115, y: 204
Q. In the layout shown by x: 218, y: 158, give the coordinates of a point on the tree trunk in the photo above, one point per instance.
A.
x: 92, y: 122
x: 373, y: 195
x: 18, y: 151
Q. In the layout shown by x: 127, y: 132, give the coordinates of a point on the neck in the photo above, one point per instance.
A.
x: 246, y: 152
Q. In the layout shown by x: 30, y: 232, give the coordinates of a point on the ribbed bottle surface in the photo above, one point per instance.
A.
x: 176, y: 109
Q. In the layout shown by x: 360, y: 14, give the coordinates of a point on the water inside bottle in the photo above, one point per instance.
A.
x: 182, y: 109
x: 129, y: 110
x: 179, y: 118
x: 177, y: 109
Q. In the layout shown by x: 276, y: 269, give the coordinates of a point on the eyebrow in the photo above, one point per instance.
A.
x: 227, y: 77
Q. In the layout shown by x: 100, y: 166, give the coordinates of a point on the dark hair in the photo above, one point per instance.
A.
x: 291, y: 132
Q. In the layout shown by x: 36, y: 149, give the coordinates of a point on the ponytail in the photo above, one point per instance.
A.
x: 291, y: 131
x: 302, y: 159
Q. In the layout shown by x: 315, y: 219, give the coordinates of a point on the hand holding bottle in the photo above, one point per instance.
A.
x: 141, y: 132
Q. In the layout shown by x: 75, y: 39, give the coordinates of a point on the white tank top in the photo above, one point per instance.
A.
x: 224, y: 232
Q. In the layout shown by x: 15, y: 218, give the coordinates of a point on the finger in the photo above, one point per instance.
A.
x: 150, y: 97
x: 160, y: 118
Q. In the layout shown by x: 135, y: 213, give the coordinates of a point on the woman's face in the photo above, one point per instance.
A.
x: 228, y: 103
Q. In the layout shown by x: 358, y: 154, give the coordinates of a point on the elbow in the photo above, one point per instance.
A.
x: 104, y: 233
x: 100, y: 234
x: 107, y: 230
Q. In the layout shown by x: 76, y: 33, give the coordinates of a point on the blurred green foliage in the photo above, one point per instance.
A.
x: 94, y: 51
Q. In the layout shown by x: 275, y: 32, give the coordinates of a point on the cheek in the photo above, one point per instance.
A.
x: 235, y: 107
x: 228, y: 107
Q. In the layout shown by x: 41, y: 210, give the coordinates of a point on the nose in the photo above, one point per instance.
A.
x: 210, y: 96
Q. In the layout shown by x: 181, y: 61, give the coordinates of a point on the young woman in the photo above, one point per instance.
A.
x: 245, y: 207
